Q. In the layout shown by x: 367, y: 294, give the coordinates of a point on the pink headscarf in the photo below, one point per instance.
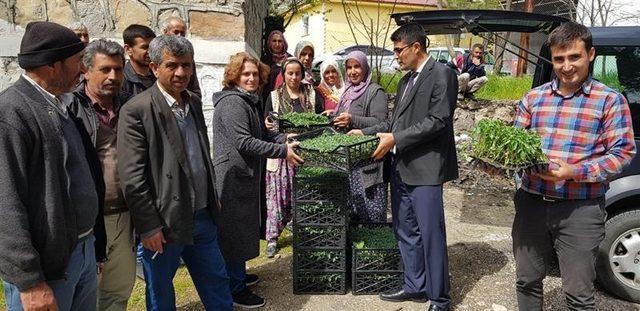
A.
x: 354, y: 91
x: 277, y: 57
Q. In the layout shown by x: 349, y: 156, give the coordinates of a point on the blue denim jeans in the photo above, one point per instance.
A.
x: 205, y: 264
x: 77, y: 291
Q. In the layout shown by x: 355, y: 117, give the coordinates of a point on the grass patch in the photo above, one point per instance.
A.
x: 498, y: 87
x: 185, y: 290
x: 389, y: 81
x: 505, y: 87
x: 610, y: 79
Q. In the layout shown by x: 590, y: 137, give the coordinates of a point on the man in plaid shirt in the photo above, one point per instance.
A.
x: 587, y: 134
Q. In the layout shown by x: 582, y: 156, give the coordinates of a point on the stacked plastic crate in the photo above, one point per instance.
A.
x: 320, y: 231
x: 321, y: 222
x: 376, y: 262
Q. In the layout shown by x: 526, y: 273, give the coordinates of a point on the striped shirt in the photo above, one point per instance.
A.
x: 591, y: 130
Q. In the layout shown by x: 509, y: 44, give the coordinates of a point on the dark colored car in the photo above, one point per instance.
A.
x: 617, y: 64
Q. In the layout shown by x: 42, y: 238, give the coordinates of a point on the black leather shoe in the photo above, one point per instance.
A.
x: 436, y: 308
x: 399, y: 295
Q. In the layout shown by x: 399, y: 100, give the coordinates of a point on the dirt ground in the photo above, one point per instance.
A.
x: 479, y: 213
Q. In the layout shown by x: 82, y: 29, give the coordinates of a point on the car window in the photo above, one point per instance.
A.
x: 444, y: 56
x: 618, y: 68
x: 434, y: 54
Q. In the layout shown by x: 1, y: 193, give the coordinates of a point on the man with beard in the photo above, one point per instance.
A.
x: 97, y: 104
x: 51, y: 229
x: 137, y: 74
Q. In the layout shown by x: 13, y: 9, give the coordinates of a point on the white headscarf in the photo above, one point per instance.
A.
x: 337, y: 89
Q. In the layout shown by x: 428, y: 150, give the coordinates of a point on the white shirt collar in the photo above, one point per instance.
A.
x: 422, y: 66
x: 61, y: 102
x: 172, y: 102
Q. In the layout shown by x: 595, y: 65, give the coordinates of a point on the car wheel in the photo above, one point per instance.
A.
x: 618, y: 263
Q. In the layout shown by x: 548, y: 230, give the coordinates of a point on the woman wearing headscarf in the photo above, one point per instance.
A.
x: 291, y: 96
x: 273, y: 55
x: 331, y: 84
x: 304, y: 52
x: 242, y: 143
x: 364, y: 104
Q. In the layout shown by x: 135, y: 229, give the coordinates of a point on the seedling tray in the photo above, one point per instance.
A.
x: 319, y: 213
x: 374, y: 248
x: 344, y: 158
x: 503, y: 147
x: 374, y: 269
x: 373, y: 283
x: 376, y: 260
x: 319, y: 283
x: 319, y: 236
x: 286, y: 126
x: 493, y: 168
x: 323, y: 185
x: 317, y: 259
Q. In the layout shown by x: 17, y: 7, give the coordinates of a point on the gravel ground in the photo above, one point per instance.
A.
x: 480, y: 260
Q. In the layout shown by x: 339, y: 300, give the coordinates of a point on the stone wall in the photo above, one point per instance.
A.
x: 469, y: 113
x: 217, y: 29
x: 207, y: 19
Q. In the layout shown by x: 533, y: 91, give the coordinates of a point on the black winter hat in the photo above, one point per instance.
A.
x: 45, y: 43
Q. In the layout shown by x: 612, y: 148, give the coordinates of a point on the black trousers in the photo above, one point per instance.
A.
x: 573, y: 229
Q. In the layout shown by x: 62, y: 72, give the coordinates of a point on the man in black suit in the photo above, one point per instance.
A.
x: 420, y: 138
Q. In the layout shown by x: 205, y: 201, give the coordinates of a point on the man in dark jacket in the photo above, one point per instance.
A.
x: 168, y: 180
x: 472, y: 74
x: 137, y: 74
x: 52, y: 183
x: 96, y: 104
x: 420, y: 137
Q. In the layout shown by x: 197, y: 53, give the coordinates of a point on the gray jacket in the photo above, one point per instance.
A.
x: 369, y: 109
x: 154, y: 171
x: 242, y: 143
x: 38, y: 229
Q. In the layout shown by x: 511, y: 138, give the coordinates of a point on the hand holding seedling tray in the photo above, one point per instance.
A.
x: 328, y: 148
x: 298, y: 122
x: 507, y: 148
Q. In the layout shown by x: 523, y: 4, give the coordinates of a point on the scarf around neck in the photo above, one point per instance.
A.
x: 354, y: 91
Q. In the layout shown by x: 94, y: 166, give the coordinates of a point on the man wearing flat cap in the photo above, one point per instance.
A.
x: 51, y: 224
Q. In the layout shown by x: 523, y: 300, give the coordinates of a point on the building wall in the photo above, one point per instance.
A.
x: 217, y: 29
x: 329, y: 30
x: 314, y: 32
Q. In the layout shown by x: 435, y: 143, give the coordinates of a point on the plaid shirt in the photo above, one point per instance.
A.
x: 590, y: 130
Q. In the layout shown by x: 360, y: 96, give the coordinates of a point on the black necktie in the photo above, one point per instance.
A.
x: 410, y: 84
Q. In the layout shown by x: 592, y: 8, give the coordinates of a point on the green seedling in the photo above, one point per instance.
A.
x: 506, y: 146
x: 305, y: 119
x: 329, y: 142
x: 374, y: 237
